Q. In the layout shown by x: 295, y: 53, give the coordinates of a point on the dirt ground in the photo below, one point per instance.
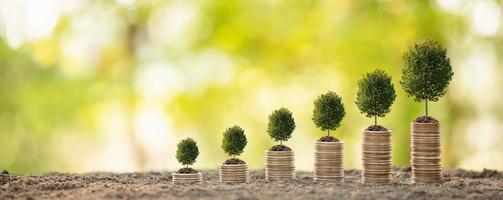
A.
x: 458, y: 184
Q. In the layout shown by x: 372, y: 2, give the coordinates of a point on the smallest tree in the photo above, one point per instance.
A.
x: 187, y: 152
x: 281, y: 125
x: 328, y: 112
x: 375, y: 94
x: 234, y: 141
x: 427, y: 72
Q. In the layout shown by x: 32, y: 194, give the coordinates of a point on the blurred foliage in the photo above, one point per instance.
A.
x: 114, y: 84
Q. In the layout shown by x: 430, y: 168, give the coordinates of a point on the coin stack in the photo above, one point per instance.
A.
x: 187, y: 178
x: 328, y: 161
x: 425, y: 153
x: 279, y: 165
x: 233, y: 173
x: 376, y: 157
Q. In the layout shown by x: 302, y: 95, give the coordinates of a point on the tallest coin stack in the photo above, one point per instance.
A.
x: 425, y: 153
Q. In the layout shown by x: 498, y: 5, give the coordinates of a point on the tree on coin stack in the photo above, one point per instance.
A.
x: 234, y: 170
x: 374, y: 99
x: 280, y: 158
x: 327, y: 115
x: 425, y: 76
x: 186, y: 153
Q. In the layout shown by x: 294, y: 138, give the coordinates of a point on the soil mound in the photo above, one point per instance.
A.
x: 280, y: 148
x: 328, y: 139
x: 426, y: 119
x: 187, y: 170
x: 234, y: 161
x: 376, y: 128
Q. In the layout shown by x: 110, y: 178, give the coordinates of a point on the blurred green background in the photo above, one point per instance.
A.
x: 103, y: 85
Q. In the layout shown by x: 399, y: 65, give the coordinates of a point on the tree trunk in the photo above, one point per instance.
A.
x: 426, y: 107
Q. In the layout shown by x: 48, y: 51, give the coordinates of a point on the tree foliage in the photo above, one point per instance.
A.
x: 427, y: 71
x: 281, y: 125
x: 328, y: 111
x: 234, y: 141
x: 187, y: 151
x: 375, y: 94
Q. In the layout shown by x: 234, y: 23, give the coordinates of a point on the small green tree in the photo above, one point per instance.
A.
x: 281, y: 125
x: 234, y: 141
x: 375, y: 94
x: 328, y: 112
x: 187, y: 152
x: 427, y: 72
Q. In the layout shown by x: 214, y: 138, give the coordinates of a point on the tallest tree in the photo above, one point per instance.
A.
x: 426, y: 74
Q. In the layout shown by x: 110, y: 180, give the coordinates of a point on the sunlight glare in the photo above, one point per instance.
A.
x: 27, y: 20
x: 485, y: 18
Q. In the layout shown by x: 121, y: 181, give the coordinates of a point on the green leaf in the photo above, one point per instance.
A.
x: 328, y: 111
x: 427, y: 71
x: 234, y: 141
x: 375, y: 94
x: 281, y: 125
x: 187, y: 151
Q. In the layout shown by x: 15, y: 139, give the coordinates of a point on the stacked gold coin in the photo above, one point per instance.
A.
x: 187, y: 178
x: 233, y: 173
x: 328, y: 159
x: 279, y: 165
x: 376, y: 157
x: 425, y: 153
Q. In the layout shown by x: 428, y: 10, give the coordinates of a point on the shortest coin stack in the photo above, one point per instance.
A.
x: 279, y: 165
x: 425, y: 153
x: 233, y: 173
x: 187, y: 178
x: 328, y: 159
x: 376, y: 157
